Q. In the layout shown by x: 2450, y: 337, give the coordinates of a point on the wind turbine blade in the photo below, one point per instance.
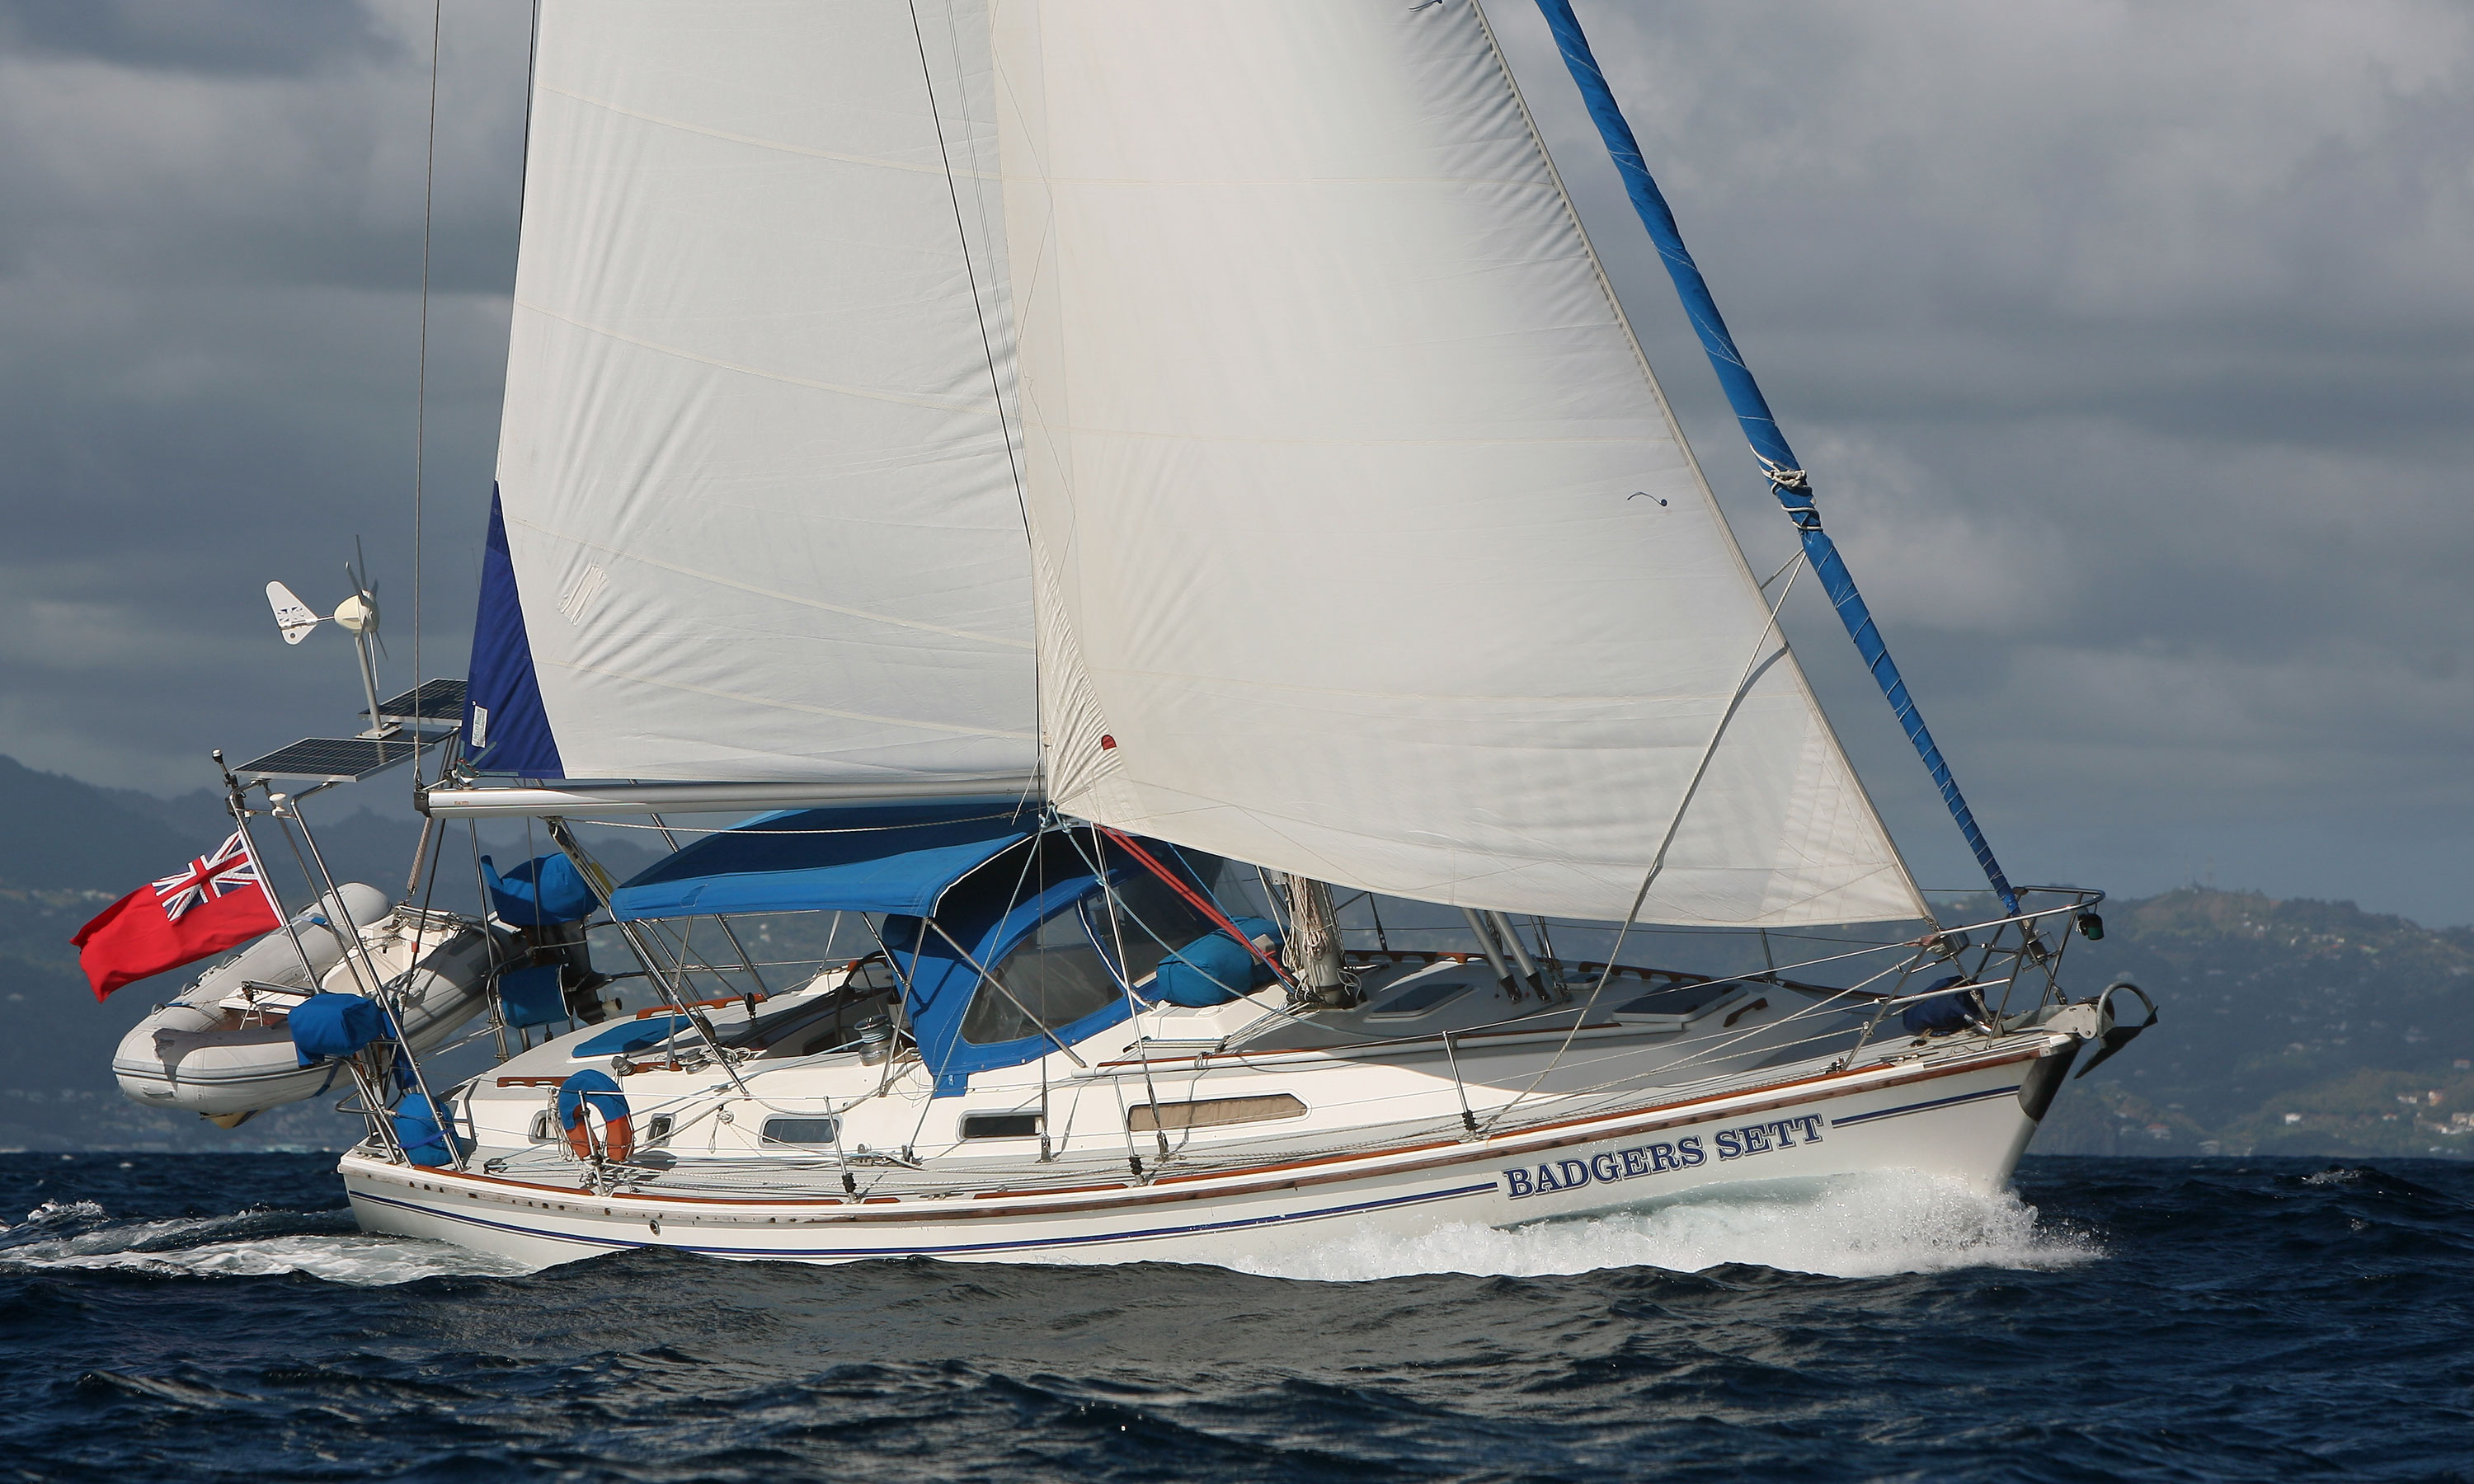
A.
x: 292, y: 616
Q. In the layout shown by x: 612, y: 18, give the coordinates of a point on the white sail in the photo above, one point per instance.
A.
x: 1369, y: 549
x: 757, y: 493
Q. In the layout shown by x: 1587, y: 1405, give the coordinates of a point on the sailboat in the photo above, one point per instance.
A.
x: 1110, y: 488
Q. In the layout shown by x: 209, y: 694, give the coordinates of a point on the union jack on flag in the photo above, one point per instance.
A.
x: 226, y: 870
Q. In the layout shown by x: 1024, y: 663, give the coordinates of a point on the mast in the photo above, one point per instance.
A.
x: 1769, y: 445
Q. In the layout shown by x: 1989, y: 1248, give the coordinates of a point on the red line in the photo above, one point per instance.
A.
x: 1198, y: 902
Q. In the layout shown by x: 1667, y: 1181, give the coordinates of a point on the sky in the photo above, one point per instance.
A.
x: 2130, y: 349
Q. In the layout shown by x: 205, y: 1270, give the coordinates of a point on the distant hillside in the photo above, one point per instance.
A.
x: 60, y: 833
x: 2287, y: 1027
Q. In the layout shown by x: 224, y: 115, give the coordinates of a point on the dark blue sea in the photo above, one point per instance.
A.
x: 186, y: 1318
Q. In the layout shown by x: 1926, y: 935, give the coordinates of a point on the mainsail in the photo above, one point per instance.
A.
x: 1239, y: 374
x: 1370, y: 551
x: 755, y: 486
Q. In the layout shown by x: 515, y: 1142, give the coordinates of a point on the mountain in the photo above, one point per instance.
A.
x: 2284, y: 1027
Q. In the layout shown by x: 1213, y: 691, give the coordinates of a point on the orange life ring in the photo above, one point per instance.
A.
x: 588, y: 1092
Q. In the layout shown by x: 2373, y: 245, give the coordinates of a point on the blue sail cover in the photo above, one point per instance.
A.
x: 505, y: 729
x: 545, y: 889
x: 1761, y: 429
x: 896, y: 858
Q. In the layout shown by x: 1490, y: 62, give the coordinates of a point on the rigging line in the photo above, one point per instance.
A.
x: 1125, y: 981
x: 421, y: 378
x: 490, y: 936
x: 988, y: 349
x: 1753, y: 667
x: 1167, y: 948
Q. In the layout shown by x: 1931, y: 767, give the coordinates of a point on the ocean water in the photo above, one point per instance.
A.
x: 186, y: 1318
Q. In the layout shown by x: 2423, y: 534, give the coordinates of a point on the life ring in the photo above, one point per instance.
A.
x: 588, y: 1092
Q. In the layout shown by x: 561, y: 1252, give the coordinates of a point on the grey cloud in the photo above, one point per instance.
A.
x: 210, y: 321
x: 237, y: 38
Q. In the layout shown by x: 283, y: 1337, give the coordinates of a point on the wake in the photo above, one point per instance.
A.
x: 1866, y: 1226
x: 80, y: 1234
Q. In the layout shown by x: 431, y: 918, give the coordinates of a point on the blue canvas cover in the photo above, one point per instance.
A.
x: 988, y: 917
x: 895, y: 859
x: 1951, y: 1012
x: 943, y: 982
x: 1769, y: 445
x: 326, y: 1025
x: 532, y: 996
x: 425, y: 1139
x: 1214, y: 968
x: 637, y: 1035
x: 544, y: 890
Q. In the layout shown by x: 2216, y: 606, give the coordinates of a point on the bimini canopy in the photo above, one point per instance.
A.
x: 896, y: 858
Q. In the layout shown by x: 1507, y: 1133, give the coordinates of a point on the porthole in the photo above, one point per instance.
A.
x: 1001, y: 1125
x: 801, y: 1130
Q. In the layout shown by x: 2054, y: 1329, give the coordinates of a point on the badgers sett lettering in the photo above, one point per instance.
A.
x: 1605, y: 1169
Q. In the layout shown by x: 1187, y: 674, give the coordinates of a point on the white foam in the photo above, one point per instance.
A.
x: 363, y: 1261
x: 1858, y: 1227
x: 190, y: 1246
x: 53, y: 1213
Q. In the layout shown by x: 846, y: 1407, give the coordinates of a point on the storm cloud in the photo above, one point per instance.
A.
x: 2130, y: 349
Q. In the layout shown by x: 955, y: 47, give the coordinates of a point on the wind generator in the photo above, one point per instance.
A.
x: 398, y: 728
x: 357, y: 615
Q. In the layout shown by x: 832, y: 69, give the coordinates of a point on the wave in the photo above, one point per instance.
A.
x: 1860, y: 1227
x: 79, y: 1235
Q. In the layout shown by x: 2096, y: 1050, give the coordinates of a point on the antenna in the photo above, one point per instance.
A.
x: 357, y: 615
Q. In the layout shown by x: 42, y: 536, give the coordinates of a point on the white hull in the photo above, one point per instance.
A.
x: 1963, y: 1112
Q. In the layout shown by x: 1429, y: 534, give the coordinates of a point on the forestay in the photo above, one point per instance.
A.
x: 1369, y: 549
x: 757, y: 489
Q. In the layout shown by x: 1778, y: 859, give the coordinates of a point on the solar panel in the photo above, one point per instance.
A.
x: 331, y: 759
x: 430, y: 701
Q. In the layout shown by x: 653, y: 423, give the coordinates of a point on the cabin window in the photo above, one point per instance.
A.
x: 659, y: 1128
x: 1056, y: 978
x: 1151, y: 920
x: 801, y: 1130
x: 545, y: 1129
x: 1001, y: 1125
x: 1212, y: 1113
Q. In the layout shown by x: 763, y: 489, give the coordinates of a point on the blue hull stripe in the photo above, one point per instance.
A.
x: 949, y: 1249
x: 1912, y: 1107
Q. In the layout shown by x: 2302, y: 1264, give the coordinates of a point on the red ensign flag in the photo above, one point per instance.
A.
x: 216, y: 902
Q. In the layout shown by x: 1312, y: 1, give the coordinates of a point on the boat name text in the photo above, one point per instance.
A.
x: 1642, y: 1160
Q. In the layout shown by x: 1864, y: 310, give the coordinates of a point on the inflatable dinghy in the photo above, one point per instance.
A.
x: 224, y: 1049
